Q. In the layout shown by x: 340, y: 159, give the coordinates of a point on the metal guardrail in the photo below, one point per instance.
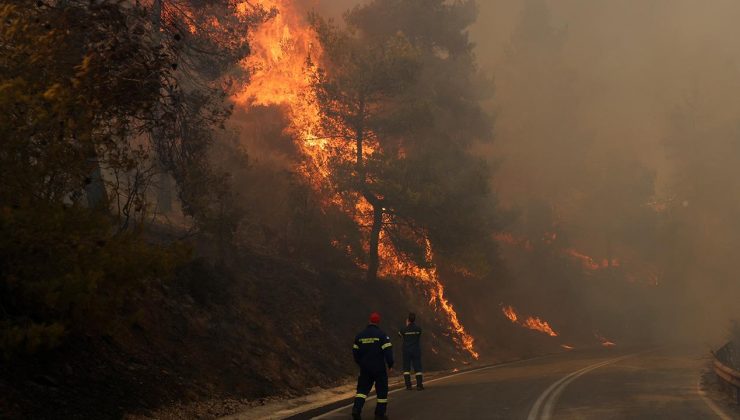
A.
x: 729, y: 378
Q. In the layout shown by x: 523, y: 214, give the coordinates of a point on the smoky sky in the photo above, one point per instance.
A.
x: 623, y: 117
x: 589, y: 94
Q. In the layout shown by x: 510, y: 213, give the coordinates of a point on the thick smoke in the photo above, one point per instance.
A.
x: 617, y: 141
x: 622, y: 119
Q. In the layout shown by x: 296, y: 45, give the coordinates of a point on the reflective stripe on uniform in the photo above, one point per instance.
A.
x: 407, y: 373
x: 363, y: 396
x: 355, y: 346
x: 382, y: 400
x: 385, y: 346
x: 418, y: 373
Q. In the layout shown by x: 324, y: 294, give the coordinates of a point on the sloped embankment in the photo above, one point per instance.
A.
x: 254, y: 327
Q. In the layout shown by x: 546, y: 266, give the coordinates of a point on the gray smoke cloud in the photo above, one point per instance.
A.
x: 617, y: 126
x: 603, y: 107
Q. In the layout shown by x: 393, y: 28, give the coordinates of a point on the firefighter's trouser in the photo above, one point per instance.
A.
x: 365, y: 383
x: 412, y: 359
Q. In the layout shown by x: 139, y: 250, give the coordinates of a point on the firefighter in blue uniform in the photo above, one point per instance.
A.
x: 372, y: 352
x: 411, y: 335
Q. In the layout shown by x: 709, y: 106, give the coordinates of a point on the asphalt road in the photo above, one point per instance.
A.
x: 599, y: 384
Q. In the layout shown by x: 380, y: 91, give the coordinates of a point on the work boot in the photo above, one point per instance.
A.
x: 381, y: 417
x: 409, y: 388
x: 420, y: 387
x: 356, y: 416
x: 407, y: 380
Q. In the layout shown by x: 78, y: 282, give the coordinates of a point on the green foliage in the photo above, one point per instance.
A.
x: 29, y: 338
x: 65, y: 270
x: 359, y: 88
x: 206, y: 41
x: 77, y: 86
x: 205, y: 282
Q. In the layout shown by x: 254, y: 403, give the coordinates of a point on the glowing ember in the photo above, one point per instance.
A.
x: 567, y: 347
x: 590, y: 263
x: 509, y: 239
x: 549, y: 237
x: 509, y: 312
x: 283, y: 49
x: 533, y: 323
x: 604, y: 341
x: 607, y: 343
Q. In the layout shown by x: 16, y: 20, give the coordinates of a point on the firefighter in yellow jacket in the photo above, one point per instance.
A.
x: 411, y: 335
x: 372, y: 352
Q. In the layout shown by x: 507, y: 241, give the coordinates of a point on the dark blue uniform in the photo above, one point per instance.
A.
x: 372, y: 352
x: 411, y: 335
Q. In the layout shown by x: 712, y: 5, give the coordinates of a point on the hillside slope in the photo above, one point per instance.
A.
x: 249, y: 328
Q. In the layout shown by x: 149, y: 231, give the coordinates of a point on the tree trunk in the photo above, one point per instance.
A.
x: 373, y: 260
x: 97, y: 196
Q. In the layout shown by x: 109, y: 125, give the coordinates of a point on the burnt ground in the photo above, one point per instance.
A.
x: 261, y: 328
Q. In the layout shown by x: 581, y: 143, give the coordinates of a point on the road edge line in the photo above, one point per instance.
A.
x: 552, y: 393
x: 369, y: 398
x: 711, y: 404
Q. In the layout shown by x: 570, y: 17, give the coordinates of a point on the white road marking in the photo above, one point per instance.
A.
x: 545, y: 404
x: 711, y: 404
x: 336, y: 410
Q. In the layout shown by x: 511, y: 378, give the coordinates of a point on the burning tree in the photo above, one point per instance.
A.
x: 438, y: 187
x: 407, y: 96
x: 360, y: 94
x: 383, y: 115
x: 403, y: 101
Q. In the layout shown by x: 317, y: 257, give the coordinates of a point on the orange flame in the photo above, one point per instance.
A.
x: 393, y: 264
x: 283, y: 49
x: 533, y: 323
x: 509, y: 312
x: 605, y: 342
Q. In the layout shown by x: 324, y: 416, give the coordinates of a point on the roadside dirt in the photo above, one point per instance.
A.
x: 711, y: 389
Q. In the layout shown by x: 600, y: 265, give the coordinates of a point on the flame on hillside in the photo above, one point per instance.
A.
x: 283, y: 49
x: 509, y: 239
x: 605, y: 342
x: 510, y: 313
x: 590, y: 263
x: 532, y: 322
x: 393, y: 264
x: 549, y: 238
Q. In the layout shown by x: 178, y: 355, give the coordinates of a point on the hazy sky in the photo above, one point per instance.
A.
x: 600, y: 99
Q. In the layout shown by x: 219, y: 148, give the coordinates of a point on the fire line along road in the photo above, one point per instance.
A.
x: 611, y: 383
